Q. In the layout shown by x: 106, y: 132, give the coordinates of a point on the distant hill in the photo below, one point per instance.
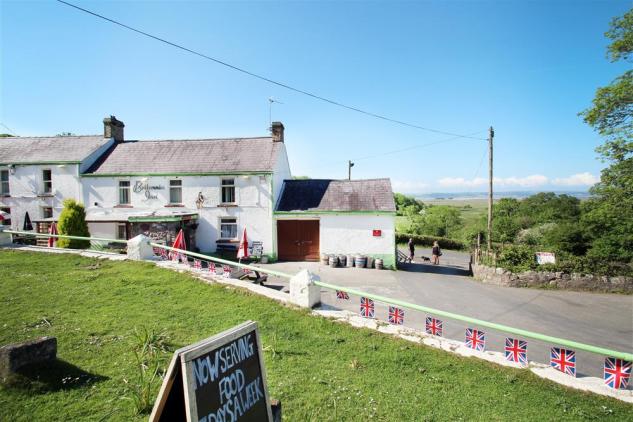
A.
x: 461, y: 196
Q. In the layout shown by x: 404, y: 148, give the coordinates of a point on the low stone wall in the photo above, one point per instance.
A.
x: 558, y: 280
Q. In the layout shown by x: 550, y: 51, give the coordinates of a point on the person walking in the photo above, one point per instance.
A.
x: 411, y: 249
x: 436, y: 252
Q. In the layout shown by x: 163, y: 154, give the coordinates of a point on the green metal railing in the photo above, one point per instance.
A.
x: 482, y: 323
x: 386, y: 300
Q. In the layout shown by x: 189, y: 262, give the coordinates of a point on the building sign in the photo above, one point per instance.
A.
x: 377, y: 233
x: 545, y: 258
x: 221, y: 378
x: 146, y: 189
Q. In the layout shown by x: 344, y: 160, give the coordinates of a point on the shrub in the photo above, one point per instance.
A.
x: 72, y: 222
x: 517, y: 258
x: 421, y: 240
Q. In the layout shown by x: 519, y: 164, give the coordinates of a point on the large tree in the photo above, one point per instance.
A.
x: 609, y: 215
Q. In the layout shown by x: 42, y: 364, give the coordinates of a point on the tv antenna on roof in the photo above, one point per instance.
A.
x: 271, y: 100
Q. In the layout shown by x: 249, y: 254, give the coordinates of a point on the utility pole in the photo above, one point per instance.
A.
x: 491, y: 135
x: 349, y: 169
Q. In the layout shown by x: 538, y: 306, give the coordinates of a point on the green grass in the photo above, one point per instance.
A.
x: 319, y: 369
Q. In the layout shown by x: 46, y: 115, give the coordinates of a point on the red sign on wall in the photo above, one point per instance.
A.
x: 377, y: 233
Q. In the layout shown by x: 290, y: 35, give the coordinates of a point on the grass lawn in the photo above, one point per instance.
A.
x: 319, y: 369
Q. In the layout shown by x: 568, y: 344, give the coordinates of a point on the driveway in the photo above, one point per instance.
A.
x: 600, y: 319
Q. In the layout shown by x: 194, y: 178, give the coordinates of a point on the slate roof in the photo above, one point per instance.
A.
x: 189, y: 156
x: 314, y: 195
x: 24, y: 150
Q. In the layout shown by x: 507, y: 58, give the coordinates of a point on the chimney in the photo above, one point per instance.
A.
x: 113, y: 128
x: 277, y: 129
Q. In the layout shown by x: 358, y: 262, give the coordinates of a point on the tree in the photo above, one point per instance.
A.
x: 438, y: 220
x: 72, y: 222
x: 407, y: 205
x: 608, y: 217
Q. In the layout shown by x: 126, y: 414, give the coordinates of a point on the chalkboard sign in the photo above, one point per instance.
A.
x: 221, y: 378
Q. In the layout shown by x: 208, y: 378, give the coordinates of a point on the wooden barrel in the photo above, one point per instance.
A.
x: 370, y: 262
x: 333, y: 260
x: 360, y: 261
x: 379, y: 263
x: 342, y: 260
x: 350, y: 261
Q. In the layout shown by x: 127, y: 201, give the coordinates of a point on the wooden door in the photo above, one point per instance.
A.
x: 298, y: 240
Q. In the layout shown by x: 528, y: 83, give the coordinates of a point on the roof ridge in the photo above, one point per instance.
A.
x: 200, y: 139
x: 52, y: 137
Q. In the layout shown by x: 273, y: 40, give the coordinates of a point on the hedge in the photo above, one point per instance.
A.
x: 421, y: 240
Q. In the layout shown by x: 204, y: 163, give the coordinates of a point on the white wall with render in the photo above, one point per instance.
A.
x: 344, y: 234
x: 252, y: 210
x: 26, y: 189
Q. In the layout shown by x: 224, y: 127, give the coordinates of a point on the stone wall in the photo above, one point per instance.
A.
x: 558, y: 280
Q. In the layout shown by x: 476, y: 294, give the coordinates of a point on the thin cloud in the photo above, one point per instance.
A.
x: 409, y: 186
x: 523, y: 182
x: 580, y: 179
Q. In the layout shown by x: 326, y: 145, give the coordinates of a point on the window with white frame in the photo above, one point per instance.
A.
x: 124, y: 192
x: 4, y: 182
x: 175, y: 191
x: 228, y: 191
x: 121, y: 231
x: 47, y: 180
x: 47, y: 212
x: 228, y: 228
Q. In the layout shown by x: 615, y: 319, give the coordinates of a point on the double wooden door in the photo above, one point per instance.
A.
x: 298, y: 240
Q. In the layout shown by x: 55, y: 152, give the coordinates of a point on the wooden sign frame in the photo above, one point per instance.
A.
x: 180, y: 374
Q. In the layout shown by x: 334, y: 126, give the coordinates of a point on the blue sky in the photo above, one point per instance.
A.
x: 525, y: 67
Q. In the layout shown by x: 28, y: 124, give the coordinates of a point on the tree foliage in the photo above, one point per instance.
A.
x: 72, y: 222
x: 438, y: 220
x: 608, y: 216
x: 407, y: 205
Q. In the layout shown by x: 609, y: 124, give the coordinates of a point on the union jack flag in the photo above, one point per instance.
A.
x: 475, y: 339
x: 366, y: 307
x: 617, y: 372
x: 226, y: 271
x: 342, y: 295
x: 197, y: 264
x: 164, y: 254
x: 211, y: 267
x: 433, y: 326
x: 516, y: 351
x: 174, y: 256
x: 396, y: 315
x: 563, y: 360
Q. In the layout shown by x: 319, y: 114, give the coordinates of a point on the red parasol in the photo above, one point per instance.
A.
x: 179, y: 243
x: 4, y: 216
x: 242, y: 252
x: 52, y: 230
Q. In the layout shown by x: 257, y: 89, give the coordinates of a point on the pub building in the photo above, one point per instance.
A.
x: 210, y: 188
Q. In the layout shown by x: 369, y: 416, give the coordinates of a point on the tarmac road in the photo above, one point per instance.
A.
x: 599, y: 319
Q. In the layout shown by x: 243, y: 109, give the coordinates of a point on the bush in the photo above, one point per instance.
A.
x: 421, y: 240
x: 72, y: 222
x: 517, y: 258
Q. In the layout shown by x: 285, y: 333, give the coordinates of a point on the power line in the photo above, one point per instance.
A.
x: 8, y: 128
x: 263, y: 78
x: 396, y: 151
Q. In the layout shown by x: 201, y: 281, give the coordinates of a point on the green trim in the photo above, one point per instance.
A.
x: 38, y: 163
x: 160, y: 219
x: 211, y: 173
x: 314, y: 213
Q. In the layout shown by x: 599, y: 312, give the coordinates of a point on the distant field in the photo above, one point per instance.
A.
x: 471, y: 210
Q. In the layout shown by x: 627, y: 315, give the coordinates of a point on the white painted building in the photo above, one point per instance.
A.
x: 211, y: 188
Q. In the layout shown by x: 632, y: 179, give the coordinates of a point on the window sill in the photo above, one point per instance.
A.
x: 123, y: 206
x: 227, y: 241
x: 174, y: 206
x: 5, y: 195
x: 45, y: 195
x: 229, y: 205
